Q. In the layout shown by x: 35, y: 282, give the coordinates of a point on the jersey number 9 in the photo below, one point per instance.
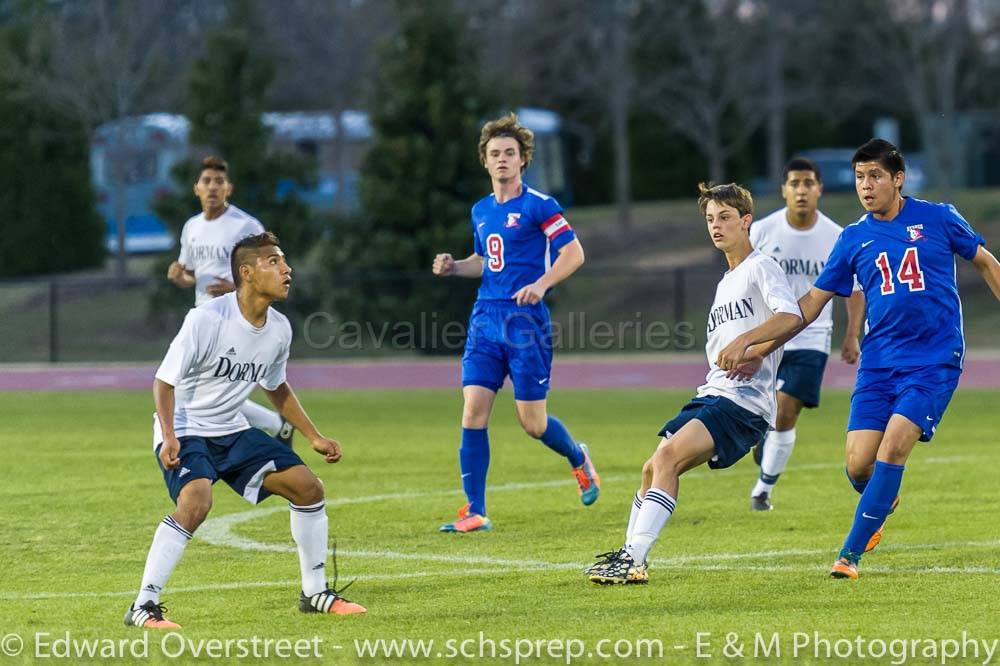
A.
x: 494, y: 250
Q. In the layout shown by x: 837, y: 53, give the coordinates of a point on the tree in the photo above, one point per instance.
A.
x: 47, y: 206
x: 926, y: 53
x: 703, y: 75
x: 419, y: 178
x: 326, y: 60
x: 585, y: 51
x: 105, y: 60
x: 227, y: 87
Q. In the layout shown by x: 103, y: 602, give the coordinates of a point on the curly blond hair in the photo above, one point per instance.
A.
x: 510, y: 127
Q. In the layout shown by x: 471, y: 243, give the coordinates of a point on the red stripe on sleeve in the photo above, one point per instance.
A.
x: 560, y: 232
x: 552, y: 220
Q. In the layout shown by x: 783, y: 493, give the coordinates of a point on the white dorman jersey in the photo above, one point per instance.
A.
x: 802, y: 255
x: 215, y: 362
x: 206, y: 245
x: 746, y: 297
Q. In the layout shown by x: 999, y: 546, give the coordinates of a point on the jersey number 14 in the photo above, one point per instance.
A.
x: 909, y: 272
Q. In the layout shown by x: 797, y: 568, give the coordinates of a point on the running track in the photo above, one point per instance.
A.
x: 671, y: 372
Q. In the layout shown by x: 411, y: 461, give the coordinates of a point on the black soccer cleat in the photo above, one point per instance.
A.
x: 328, y: 601
x: 618, y: 569
x: 148, y: 616
x: 761, y: 502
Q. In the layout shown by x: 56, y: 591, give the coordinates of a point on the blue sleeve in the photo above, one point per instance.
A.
x: 477, y: 245
x: 838, y: 274
x: 964, y: 241
x: 552, y: 223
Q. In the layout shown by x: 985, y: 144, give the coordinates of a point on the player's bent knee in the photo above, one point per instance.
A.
x: 895, y: 453
x: 665, y: 461
x: 192, y: 513
x: 309, y: 491
x: 860, y: 470
x: 534, y: 428
x: 475, y: 416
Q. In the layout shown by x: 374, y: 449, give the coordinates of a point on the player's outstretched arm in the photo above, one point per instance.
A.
x: 989, y: 268
x: 752, y: 346
x: 570, y: 258
x: 470, y: 267
x: 781, y: 324
x: 180, y: 275
x: 850, y: 351
x: 288, y: 405
x: 163, y: 398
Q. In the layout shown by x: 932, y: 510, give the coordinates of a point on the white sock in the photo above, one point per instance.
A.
x: 261, y: 417
x: 633, y: 514
x: 777, y: 450
x: 657, y: 507
x: 164, y: 554
x: 310, y: 530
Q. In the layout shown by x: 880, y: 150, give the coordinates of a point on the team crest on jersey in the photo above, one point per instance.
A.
x: 915, y: 233
x: 512, y: 221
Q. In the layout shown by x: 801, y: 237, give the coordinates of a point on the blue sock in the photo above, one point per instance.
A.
x: 557, y: 438
x: 474, y: 460
x: 874, y: 506
x: 858, y: 485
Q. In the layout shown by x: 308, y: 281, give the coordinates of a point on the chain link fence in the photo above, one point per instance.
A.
x: 598, y: 310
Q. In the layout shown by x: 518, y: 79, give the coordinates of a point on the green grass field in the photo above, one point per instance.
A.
x: 82, y: 496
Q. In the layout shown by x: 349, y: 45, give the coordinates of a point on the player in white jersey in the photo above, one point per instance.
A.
x: 225, y: 348
x: 206, y: 241
x: 733, y: 409
x: 799, y: 237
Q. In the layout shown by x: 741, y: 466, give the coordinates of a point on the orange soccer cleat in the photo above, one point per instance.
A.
x: 844, y: 568
x: 468, y: 522
x: 587, y: 478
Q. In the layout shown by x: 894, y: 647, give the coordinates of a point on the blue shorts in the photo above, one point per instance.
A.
x: 921, y: 394
x: 242, y: 460
x: 509, y: 339
x: 734, y: 430
x: 800, y: 375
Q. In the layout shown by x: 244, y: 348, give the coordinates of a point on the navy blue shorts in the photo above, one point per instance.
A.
x: 509, y: 339
x: 921, y: 394
x: 800, y: 375
x: 242, y: 460
x: 734, y: 430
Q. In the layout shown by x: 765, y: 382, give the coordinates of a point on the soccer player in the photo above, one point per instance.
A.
x: 523, y: 246
x: 206, y: 241
x: 799, y: 237
x: 226, y: 347
x: 902, y: 252
x: 735, y: 407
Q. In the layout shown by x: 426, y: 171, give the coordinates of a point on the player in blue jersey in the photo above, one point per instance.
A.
x: 523, y: 246
x: 902, y: 253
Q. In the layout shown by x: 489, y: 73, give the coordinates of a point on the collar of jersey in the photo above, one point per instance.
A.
x: 243, y: 320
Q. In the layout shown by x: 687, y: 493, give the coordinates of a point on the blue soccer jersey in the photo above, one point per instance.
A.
x: 906, y: 268
x: 514, y: 239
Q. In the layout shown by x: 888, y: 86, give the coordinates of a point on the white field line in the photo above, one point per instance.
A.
x: 656, y: 565
x: 218, y: 531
